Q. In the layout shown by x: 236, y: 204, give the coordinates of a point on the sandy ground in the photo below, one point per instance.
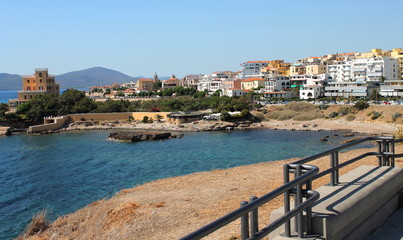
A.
x: 173, y: 207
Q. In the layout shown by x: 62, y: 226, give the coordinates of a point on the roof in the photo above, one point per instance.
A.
x: 145, y: 79
x: 258, y: 62
x: 253, y: 79
x: 274, y: 93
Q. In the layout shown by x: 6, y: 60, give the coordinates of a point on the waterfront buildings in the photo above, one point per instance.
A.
x: 40, y: 83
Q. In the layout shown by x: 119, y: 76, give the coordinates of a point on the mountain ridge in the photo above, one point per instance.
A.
x: 95, y: 76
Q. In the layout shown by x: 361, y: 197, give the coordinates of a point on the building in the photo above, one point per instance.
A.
x: 365, y: 69
x: 145, y: 84
x: 314, y: 87
x: 351, y: 89
x: 171, y: 83
x: 276, y: 84
x: 392, y: 88
x: 252, y: 83
x: 252, y: 69
x: 40, y: 83
x: 397, y: 54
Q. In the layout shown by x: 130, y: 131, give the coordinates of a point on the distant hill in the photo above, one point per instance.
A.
x: 10, y: 81
x: 95, y: 76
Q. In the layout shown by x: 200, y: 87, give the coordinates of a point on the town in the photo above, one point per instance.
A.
x: 347, y: 75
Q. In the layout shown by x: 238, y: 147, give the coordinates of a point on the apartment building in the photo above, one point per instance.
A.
x: 315, y: 86
x: 145, y: 84
x: 252, y: 69
x: 351, y: 89
x: 252, y: 83
x: 278, y: 83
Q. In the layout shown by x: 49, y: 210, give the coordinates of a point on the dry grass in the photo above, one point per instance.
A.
x: 38, y: 224
x: 299, y: 111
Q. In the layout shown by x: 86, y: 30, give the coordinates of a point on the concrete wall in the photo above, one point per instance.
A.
x: 58, y: 123
x: 116, y: 116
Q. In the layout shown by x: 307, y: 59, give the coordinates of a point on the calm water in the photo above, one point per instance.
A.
x: 6, y: 95
x: 13, y: 94
x: 66, y: 171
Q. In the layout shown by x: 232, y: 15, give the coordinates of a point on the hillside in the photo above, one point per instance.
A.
x: 10, y: 81
x: 77, y: 79
x: 92, y: 77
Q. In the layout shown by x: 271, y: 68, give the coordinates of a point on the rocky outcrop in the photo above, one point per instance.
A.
x: 5, y: 131
x: 140, y: 136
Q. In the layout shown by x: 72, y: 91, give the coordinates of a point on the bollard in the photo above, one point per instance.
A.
x: 244, y: 223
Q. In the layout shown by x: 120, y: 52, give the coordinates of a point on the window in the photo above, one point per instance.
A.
x: 25, y: 96
x: 28, y: 88
x: 27, y: 80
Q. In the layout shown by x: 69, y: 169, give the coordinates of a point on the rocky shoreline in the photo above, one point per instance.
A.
x: 129, y: 136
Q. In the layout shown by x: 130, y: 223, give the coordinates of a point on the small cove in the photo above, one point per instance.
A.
x: 64, y: 172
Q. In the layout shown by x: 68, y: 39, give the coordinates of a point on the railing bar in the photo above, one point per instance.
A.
x: 221, y: 222
x: 299, y: 200
x: 347, y: 145
x: 277, y: 223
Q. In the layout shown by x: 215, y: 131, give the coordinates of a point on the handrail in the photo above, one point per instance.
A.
x: 221, y: 222
x: 304, y: 175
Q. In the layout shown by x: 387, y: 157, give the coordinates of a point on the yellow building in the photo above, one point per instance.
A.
x: 397, y: 53
x: 252, y: 83
x: 276, y: 67
x: 315, y: 68
x: 145, y: 84
x: 39, y: 83
x: 297, y: 69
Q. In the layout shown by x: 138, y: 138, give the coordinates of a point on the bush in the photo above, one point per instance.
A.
x: 374, y: 115
x: 333, y: 115
x: 323, y: 107
x: 350, y: 117
x: 259, y: 116
x: 344, y: 111
x: 361, y: 105
x: 38, y: 224
x: 395, y: 116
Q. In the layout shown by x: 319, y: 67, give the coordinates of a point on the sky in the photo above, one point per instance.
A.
x: 184, y: 37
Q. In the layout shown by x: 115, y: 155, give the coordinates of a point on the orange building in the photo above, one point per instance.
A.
x: 39, y: 83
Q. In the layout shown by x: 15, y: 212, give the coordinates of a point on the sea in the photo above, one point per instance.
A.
x: 5, y: 95
x: 66, y: 171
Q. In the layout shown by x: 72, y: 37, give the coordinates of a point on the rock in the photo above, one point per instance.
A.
x: 303, y: 125
x: 324, y: 140
x: 349, y: 135
x: 314, y: 125
x: 6, y: 131
x: 139, y: 136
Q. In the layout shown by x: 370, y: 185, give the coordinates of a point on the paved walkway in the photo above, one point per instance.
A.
x: 392, y: 229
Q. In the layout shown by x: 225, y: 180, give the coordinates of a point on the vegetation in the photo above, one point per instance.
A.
x: 333, y: 115
x: 374, y: 115
x: 74, y: 101
x: 395, y: 116
x: 350, y: 117
x: 38, y: 224
x: 300, y: 111
x: 361, y: 105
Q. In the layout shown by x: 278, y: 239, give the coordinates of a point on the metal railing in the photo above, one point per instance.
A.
x: 301, y: 189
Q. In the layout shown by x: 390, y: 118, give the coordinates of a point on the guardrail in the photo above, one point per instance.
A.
x: 300, y: 188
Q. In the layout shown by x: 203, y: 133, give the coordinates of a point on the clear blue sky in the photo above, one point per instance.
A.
x: 189, y: 36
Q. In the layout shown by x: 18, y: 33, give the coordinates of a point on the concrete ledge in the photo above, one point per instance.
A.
x: 362, y: 201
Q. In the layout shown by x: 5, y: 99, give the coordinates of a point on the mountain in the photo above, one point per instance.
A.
x: 10, y: 81
x: 95, y: 76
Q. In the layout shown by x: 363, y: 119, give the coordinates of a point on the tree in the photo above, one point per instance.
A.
x: 157, y: 86
x: 158, y: 117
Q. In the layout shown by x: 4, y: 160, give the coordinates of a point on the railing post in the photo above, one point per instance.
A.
x: 379, y: 152
x: 254, y: 220
x: 336, y: 163
x: 298, y: 199
x: 244, y: 223
x: 332, y: 165
x: 309, y: 210
x: 287, y: 227
x: 393, y: 153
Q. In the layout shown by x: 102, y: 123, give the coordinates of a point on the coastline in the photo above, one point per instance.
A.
x: 173, y: 207
x: 377, y: 128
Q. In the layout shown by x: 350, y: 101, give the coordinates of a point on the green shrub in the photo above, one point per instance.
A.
x: 344, y: 111
x: 350, y: 117
x: 333, y: 115
x: 361, y: 105
x: 375, y: 115
x: 395, y: 116
x: 323, y: 107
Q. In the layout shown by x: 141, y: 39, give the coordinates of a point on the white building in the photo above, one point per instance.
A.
x: 351, y: 89
x: 364, y: 69
x: 278, y: 83
x: 314, y: 87
x: 392, y: 88
x: 206, y: 81
x: 252, y: 69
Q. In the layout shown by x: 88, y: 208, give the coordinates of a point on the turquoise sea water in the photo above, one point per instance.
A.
x: 64, y: 172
